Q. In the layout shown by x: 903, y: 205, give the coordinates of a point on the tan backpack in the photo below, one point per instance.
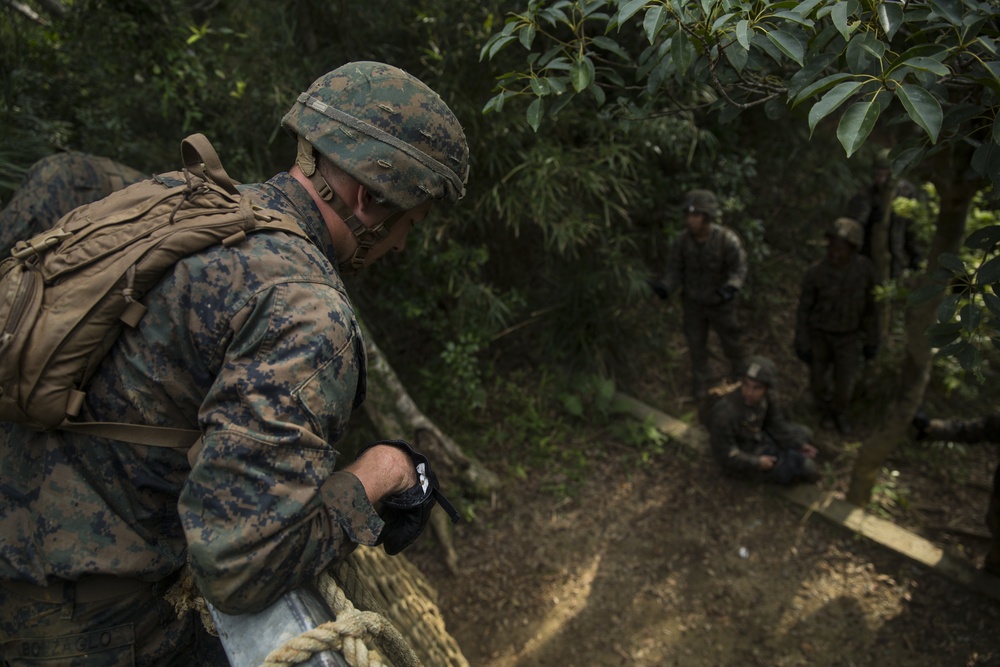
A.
x: 65, y: 294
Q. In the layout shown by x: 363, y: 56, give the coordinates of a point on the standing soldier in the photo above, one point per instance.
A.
x: 836, y: 311
x: 708, y: 263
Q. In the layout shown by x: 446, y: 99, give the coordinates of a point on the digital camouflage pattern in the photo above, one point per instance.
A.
x: 740, y: 435
x: 255, y: 345
x: 54, y: 186
x: 388, y: 130
x: 700, y: 270
x: 971, y: 431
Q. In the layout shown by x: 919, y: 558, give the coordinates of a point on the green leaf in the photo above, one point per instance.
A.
x: 971, y: 316
x: 721, y: 21
x: 681, y: 51
x: 540, y: 87
x: 581, y: 73
x: 653, y: 22
x: 742, y: 29
x: 527, y: 36
x: 992, y: 302
x: 950, y: 10
x: 831, y: 101
x: 805, y: 8
x: 795, y: 17
x: 946, y: 310
x: 819, y: 86
x: 940, y: 335
x: 952, y: 262
x: 788, y: 44
x: 857, y: 123
x: 922, y: 107
x: 611, y: 46
x: 536, y: 110
x: 890, y: 15
x: 924, y: 294
x: 989, y: 273
x: 628, y: 10
x: 863, y: 48
x: 984, y: 238
x: 839, y: 16
x: 925, y: 64
x: 736, y: 55
x: 490, y: 50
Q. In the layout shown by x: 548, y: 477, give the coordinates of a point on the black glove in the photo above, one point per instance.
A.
x: 727, y: 292
x: 869, y: 351
x: 658, y: 288
x: 804, y: 353
x: 405, y: 514
x: 920, y: 422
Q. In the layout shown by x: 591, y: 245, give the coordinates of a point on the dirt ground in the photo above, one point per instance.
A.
x: 671, y: 565
x: 665, y: 563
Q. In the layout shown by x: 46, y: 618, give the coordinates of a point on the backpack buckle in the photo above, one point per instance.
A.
x: 39, y: 244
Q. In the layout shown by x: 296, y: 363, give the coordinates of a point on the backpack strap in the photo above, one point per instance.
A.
x: 201, y: 159
x: 139, y: 434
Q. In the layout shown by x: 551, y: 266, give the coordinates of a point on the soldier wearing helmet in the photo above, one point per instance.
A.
x: 750, y: 436
x: 836, y: 316
x: 708, y: 265
x: 255, y: 344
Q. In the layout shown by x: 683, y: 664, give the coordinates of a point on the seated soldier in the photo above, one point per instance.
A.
x: 750, y: 437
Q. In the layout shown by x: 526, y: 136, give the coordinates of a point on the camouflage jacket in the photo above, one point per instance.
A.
x: 739, y: 434
x: 54, y: 186
x: 257, y: 347
x: 701, y: 268
x: 838, y: 300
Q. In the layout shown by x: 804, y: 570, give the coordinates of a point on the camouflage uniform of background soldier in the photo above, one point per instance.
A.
x: 257, y: 346
x: 55, y: 185
x: 836, y: 314
x: 750, y: 436
x: 867, y: 207
x: 708, y: 264
x: 971, y: 431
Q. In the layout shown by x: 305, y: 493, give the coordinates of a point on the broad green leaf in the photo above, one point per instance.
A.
x: 610, y: 46
x: 839, y: 16
x: 922, y: 107
x: 681, y: 51
x: 984, y: 238
x: 857, y: 123
x: 988, y: 43
x: 925, y: 64
x: 989, y: 273
x: 653, y: 22
x: 992, y: 302
x: 579, y: 75
x: 971, y: 316
x: 628, y: 10
x: 560, y: 103
x: 950, y: 10
x: 795, y: 17
x: 831, y: 101
x: 540, y: 87
x: 527, y: 36
x: 949, y: 305
x: 890, y: 15
x: 788, y: 44
x: 818, y: 87
x: 952, y: 262
x: 536, y: 110
x: 924, y: 294
x: 940, y: 335
x: 805, y: 8
x: 721, y: 21
x: 492, y: 49
x: 806, y: 76
x: 861, y: 50
x: 736, y: 55
x: 742, y: 28
x: 599, y: 95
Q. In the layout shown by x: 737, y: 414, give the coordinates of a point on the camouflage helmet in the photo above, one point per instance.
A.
x: 701, y: 201
x: 387, y: 130
x: 848, y: 229
x: 762, y: 370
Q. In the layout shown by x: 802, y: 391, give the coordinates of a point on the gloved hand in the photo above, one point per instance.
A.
x: 804, y: 353
x: 727, y: 292
x: 920, y: 422
x: 658, y: 288
x: 405, y: 514
x: 869, y: 351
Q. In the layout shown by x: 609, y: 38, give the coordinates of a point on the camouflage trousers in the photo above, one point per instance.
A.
x: 841, y: 351
x: 724, y: 320
x: 57, y: 626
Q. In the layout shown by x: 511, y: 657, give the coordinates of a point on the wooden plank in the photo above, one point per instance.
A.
x: 840, y: 512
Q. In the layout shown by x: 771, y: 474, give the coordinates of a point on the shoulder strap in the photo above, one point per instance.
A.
x: 201, y: 159
x: 139, y: 434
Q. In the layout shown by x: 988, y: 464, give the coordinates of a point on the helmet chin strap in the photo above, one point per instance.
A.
x: 365, y: 236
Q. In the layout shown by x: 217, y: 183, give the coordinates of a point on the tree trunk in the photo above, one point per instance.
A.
x: 956, y: 198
